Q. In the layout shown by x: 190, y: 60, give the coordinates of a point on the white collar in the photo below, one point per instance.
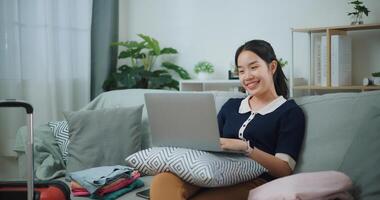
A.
x: 272, y: 106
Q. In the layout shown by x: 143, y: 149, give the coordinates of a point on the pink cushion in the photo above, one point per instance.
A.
x: 305, y: 186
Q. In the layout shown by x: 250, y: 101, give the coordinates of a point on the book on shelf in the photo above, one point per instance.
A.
x: 323, y: 62
x: 341, y: 65
x: 316, y: 62
x: 341, y: 61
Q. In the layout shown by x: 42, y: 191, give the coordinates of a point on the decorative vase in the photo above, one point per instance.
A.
x: 203, y: 76
x: 357, y: 19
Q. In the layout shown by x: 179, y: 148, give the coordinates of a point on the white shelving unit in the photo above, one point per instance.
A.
x: 207, y: 85
x: 328, y: 31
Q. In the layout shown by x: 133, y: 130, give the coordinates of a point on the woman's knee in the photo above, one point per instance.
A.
x: 167, y: 186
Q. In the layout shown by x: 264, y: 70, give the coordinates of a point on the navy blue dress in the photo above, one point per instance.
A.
x: 279, y: 131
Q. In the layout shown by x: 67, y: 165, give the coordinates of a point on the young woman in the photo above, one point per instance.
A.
x: 265, y: 125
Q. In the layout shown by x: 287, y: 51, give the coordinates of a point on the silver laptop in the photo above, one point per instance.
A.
x: 187, y: 120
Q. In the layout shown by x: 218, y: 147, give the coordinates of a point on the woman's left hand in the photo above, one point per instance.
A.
x: 233, y: 144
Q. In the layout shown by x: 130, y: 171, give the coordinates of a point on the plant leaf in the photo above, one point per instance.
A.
x: 110, y: 83
x: 151, y: 43
x: 130, y: 52
x: 152, y: 53
x: 125, y: 54
x: 174, y: 84
x: 376, y: 74
x: 124, y: 68
x: 127, y: 80
x: 134, y: 44
x: 168, y: 50
x: 128, y: 44
x: 179, y: 70
x: 160, y: 71
x: 162, y: 81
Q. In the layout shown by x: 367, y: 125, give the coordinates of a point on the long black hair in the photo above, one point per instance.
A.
x: 265, y: 51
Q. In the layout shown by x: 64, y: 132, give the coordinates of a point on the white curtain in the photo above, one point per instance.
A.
x: 44, y: 59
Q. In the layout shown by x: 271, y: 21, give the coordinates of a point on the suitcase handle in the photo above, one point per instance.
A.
x: 29, y: 148
x: 17, y: 103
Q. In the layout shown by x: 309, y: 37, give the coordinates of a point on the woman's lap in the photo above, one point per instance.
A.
x: 170, y: 187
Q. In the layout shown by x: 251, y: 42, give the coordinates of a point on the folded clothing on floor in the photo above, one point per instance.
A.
x: 114, y: 195
x: 110, y: 187
x: 94, y: 178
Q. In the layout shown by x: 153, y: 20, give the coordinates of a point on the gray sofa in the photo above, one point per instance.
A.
x: 342, y: 133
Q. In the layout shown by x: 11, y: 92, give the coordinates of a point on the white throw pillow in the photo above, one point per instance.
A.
x: 197, y: 167
x: 61, y: 134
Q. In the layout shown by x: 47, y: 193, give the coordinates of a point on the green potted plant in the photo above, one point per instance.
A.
x: 376, y: 74
x: 203, y: 69
x: 140, y: 70
x: 357, y: 14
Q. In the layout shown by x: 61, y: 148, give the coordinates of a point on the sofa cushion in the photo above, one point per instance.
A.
x: 126, y: 98
x: 103, y: 137
x: 332, y: 121
x: 362, y: 157
x: 197, y: 167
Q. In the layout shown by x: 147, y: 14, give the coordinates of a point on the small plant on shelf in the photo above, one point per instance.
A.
x: 376, y: 74
x: 282, y: 62
x: 357, y: 14
x: 203, y: 69
x: 204, y: 66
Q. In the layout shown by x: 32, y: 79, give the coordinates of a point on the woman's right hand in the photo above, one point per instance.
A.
x: 233, y: 144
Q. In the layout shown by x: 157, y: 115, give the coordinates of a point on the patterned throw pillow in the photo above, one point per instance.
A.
x: 200, y: 168
x: 61, y: 134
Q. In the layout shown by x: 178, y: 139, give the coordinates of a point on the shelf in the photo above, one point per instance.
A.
x: 328, y: 32
x: 211, y: 81
x: 340, y: 28
x: 207, y: 85
x: 354, y: 87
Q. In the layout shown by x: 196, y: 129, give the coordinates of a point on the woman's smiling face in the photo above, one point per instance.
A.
x: 255, y: 75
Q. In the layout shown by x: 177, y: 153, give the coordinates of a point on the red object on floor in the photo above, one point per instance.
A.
x: 52, y: 190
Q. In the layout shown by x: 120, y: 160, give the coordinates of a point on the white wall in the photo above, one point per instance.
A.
x: 213, y: 29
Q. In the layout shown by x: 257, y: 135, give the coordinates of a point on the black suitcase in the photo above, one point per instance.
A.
x: 31, y: 190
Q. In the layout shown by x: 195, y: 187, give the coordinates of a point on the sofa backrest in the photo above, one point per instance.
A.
x: 330, y: 129
x: 343, y: 133
x: 132, y: 97
x: 362, y: 158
